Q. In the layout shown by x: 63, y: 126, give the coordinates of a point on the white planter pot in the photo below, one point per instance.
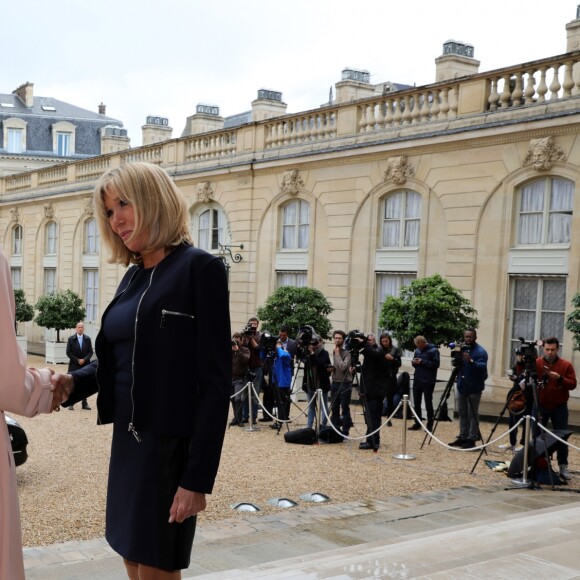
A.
x: 22, y: 342
x: 56, y: 352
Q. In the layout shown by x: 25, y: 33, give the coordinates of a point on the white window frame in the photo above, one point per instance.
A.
x: 299, y: 279
x: 63, y: 139
x: 91, y: 237
x: 14, y: 135
x: 91, y: 293
x: 49, y: 280
x: 17, y: 240
x: 546, y: 215
x: 50, y: 238
x: 295, y: 230
x: 538, y: 309
x: 63, y: 144
x: 16, y: 276
x: 217, y: 231
x: 403, y: 220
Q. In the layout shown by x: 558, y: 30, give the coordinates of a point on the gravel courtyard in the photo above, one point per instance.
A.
x: 62, y: 486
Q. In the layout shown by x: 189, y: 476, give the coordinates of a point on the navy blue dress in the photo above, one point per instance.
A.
x: 143, y: 476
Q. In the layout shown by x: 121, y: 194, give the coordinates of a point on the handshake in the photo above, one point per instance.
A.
x: 61, y: 385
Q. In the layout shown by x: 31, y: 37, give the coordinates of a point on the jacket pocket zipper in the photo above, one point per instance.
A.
x: 165, y: 313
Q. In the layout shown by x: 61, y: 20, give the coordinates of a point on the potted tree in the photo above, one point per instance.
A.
x: 24, y: 313
x: 59, y: 310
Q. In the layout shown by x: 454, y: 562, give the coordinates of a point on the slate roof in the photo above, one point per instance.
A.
x: 39, y: 121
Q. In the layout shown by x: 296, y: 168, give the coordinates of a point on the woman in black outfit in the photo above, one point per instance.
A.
x: 163, y: 371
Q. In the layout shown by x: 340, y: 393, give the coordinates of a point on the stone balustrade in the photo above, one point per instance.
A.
x: 533, y: 87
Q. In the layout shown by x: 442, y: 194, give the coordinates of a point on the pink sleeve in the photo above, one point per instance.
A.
x: 22, y: 391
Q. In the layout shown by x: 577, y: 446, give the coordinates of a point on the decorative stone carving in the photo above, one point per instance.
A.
x: 542, y: 152
x: 48, y: 211
x: 89, y: 207
x: 398, y: 169
x: 205, y: 192
x: 14, y: 215
x: 292, y: 183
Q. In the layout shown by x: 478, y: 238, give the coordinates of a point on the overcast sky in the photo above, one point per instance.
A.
x: 163, y: 57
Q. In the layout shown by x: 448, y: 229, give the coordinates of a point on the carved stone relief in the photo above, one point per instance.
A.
x: 14, y: 215
x: 398, y: 169
x: 205, y: 192
x: 48, y: 211
x: 542, y: 152
x: 292, y: 183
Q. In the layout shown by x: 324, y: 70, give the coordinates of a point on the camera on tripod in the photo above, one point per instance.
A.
x: 457, y: 350
x: 268, y: 344
x: 353, y: 344
x: 248, y: 329
x: 305, y: 337
x: 526, y: 353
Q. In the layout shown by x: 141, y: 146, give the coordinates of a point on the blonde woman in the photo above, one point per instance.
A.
x: 163, y: 371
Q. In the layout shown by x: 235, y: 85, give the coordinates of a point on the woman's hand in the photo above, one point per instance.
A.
x: 61, y: 386
x: 186, y: 504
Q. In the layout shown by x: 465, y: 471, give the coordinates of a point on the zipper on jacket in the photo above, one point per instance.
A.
x: 165, y: 313
x: 131, y: 427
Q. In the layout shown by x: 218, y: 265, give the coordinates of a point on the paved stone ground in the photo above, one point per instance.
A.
x: 467, y: 532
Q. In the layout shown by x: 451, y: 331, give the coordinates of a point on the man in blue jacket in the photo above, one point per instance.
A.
x: 470, y: 385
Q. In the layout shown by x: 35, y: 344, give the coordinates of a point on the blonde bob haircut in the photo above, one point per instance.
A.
x: 159, y: 206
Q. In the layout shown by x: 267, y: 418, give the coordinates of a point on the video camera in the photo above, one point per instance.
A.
x: 267, y: 343
x: 304, y: 338
x: 457, y: 350
x: 526, y: 353
x: 353, y: 345
x: 248, y: 329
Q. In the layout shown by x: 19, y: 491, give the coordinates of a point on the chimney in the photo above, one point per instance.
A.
x: 25, y: 94
x: 102, y: 109
x: 268, y: 104
x: 206, y: 118
x: 156, y: 130
x: 456, y: 61
x: 354, y: 84
x: 573, y: 33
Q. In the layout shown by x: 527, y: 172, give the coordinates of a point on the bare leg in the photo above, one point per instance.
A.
x: 151, y: 573
x: 132, y: 569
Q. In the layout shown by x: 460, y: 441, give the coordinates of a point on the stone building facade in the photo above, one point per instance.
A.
x: 474, y: 177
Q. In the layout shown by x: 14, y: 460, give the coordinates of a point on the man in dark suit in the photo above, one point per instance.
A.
x: 79, y: 351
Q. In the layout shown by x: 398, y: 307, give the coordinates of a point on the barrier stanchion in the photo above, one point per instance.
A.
x: 404, y: 454
x: 318, y: 410
x: 523, y: 482
x: 252, y: 425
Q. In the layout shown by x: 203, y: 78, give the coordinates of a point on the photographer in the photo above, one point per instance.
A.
x: 375, y: 377
x: 282, y: 372
x: 341, y: 387
x: 470, y: 385
x: 425, y: 362
x: 251, y: 340
x: 316, y: 376
x: 240, y: 360
x: 558, y: 378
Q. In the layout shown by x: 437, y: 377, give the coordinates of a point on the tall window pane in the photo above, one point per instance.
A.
x: 297, y: 279
x: 16, y: 275
x: 50, y: 239
x: 295, y: 225
x: 49, y: 280
x: 389, y: 285
x: 211, y: 229
x: 538, y: 310
x: 91, y: 293
x: 63, y: 144
x: 401, y: 220
x: 14, y: 144
x: 17, y: 240
x: 92, y: 241
x: 545, y: 214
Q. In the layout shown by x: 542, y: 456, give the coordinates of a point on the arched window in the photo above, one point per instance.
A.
x: 50, y: 239
x: 210, y: 226
x: 545, y: 211
x: 295, y: 225
x: 91, y: 242
x: 401, y: 220
x: 17, y: 235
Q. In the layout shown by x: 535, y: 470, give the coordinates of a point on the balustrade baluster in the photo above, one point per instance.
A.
x: 444, y: 110
x: 398, y: 115
x: 424, y: 110
x: 568, y: 83
x: 493, y: 95
x: 506, y: 93
x: 406, y: 104
x: 453, y: 101
x: 435, y: 105
x: 542, y: 87
x: 530, y: 89
x: 518, y: 91
x: 416, y: 112
x: 379, y: 116
x: 388, y: 113
x: 555, y: 85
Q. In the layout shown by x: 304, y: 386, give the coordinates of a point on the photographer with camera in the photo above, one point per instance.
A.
x: 376, y: 372
x: 341, y: 387
x: 317, y: 369
x: 240, y: 360
x: 282, y: 371
x: 470, y: 385
x: 425, y: 362
x: 251, y: 340
x: 556, y: 378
